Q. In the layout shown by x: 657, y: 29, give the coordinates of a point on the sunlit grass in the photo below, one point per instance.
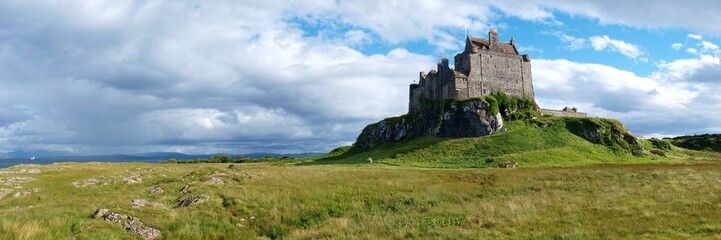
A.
x: 308, y: 202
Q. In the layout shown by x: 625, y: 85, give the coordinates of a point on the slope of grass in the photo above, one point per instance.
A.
x: 545, y: 142
x: 373, y: 202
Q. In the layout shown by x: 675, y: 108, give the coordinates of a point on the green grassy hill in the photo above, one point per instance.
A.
x: 546, y: 141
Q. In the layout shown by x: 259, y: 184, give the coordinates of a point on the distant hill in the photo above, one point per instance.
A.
x: 150, y: 156
x: 293, y: 155
x: 709, y: 142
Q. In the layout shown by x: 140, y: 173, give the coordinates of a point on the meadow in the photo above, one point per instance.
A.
x: 292, y: 200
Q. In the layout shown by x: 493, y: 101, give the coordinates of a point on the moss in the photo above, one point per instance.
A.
x: 494, y: 106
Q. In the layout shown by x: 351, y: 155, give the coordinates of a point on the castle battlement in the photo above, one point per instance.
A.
x: 484, y: 66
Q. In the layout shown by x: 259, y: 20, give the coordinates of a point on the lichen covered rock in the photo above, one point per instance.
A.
x: 156, y: 190
x: 191, y: 200
x: 450, y: 119
x: 130, y: 223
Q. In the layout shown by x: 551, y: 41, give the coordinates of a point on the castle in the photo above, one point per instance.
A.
x: 484, y: 66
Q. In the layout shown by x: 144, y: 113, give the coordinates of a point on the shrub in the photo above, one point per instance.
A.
x: 512, y: 108
x: 494, y: 107
x: 220, y: 159
x: 658, y: 152
x: 660, y: 144
x: 710, y: 142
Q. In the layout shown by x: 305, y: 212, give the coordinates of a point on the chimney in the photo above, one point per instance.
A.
x: 513, y: 41
x: 492, y: 38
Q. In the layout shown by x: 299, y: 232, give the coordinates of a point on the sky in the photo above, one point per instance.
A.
x: 202, y: 77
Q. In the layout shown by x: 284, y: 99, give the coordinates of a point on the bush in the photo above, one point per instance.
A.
x: 220, y: 159
x: 494, y: 107
x: 512, y: 108
x: 711, y: 142
x: 660, y: 144
x: 658, y: 152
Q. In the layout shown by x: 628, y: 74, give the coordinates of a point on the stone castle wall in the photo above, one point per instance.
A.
x: 527, y: 77
x: 483, y: 67
x: 432, y: 86
x: 500, y: 72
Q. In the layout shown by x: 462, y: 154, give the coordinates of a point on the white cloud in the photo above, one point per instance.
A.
x: 205, y: 125
x: 701, y: 16
x: 600, y: 43
x: 675, y: 100
x: 203, y: 77
x: 694, y: 36
x: 692, y: 51
x: 523, y: 49
x: 706, y: 45
x: 682, y: 69
x: 240, y: 76
x: 357, y: 37
x: 676, y: 46
x: 574, y: 43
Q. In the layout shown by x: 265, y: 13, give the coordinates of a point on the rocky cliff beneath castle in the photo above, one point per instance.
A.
x: 449, y: 119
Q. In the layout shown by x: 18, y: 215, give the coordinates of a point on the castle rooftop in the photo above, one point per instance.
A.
x: 484, y: 44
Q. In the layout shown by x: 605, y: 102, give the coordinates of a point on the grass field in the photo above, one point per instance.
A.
x: 290, y: 201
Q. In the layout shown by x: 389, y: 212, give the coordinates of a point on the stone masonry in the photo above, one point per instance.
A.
x: 485, y: 65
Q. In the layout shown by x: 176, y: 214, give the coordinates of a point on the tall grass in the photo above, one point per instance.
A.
x: 309, y: 202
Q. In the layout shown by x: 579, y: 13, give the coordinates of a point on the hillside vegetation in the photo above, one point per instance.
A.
x: 710, y: 142
x: 545, y: 141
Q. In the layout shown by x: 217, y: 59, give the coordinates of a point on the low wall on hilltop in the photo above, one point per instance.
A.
x: 560, y: 113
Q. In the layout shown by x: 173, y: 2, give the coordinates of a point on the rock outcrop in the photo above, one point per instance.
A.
x: 22, y: 171
x: 130, y: 223
x: 191, y: 200
x: 138, y: 203
x: 5, y: 191
x: 450, y: 119
x: 86, y: 183
x: 609, y: 132
x: 185, y: 189
x: 156, y: 190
